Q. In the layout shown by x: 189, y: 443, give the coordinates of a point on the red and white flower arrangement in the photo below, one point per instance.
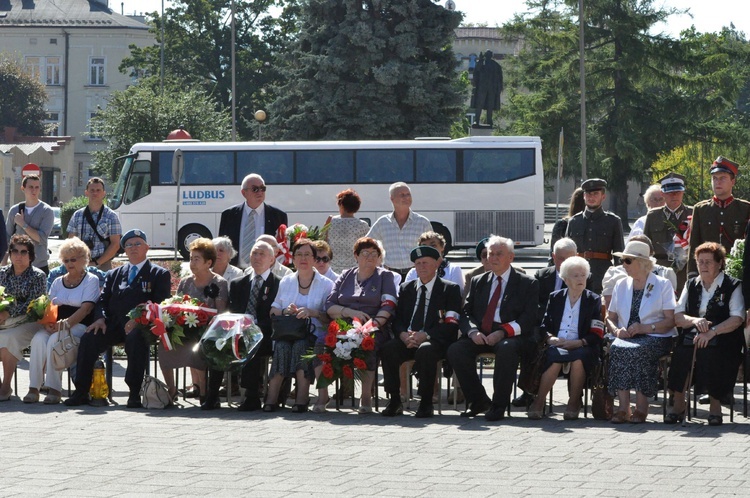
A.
x: 174, y: 320
x: 347, y: 346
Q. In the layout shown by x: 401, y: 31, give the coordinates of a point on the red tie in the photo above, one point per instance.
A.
x: 489, y: 315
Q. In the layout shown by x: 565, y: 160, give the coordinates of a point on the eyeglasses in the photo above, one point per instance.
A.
x: 22, y: 252
x: 255, y: 189
x: 133, y: 244
x: 369, y: 254
x: 324, y: 259
x: 70, y: 260
x: 627, y: 261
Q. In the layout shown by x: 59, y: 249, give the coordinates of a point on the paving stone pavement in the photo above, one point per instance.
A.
x: 184, y: 451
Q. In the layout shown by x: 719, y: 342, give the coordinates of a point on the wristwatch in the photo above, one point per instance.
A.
x: 713, y: 329
x: 25, y: 226
x: 427, y: 335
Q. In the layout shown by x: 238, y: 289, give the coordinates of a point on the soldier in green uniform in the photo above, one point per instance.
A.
x: 596, y: 232
x: 667, y: 228
x: 722, y: 218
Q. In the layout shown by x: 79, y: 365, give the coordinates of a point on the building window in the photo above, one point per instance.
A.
x: 54, y: 69
x: 48, y: 70
x: 96, y: 71
x: 52, y: 124
x: 93, y: 133
x: 33, y: 66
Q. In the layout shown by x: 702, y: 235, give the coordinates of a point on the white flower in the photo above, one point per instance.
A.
x: 167, y: 319
x: 191, y: 320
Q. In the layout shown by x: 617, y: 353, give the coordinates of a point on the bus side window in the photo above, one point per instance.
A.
x: 325, y: 166
x: 276, y: 167
x: 498, y: 165
x: 138, y: 187
x: 436, y: 166
x: 385, y: 166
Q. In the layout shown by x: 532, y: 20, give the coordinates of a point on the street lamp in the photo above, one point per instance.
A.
x: 234, y: 87
x: 260, y: 116
x: 581, y: 55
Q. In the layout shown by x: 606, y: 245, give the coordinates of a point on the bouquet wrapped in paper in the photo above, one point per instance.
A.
x: 174, y: 320
x: 230, y: 341
x: 42, y: 310
x: 5, y: 299
x: 288, y: 236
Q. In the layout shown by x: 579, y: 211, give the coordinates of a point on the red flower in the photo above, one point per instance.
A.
x: 202, y: 317
x: 327, y: 371
x: 333, y: 327
x: 186, y: 298
x: 331, y: 341
x: 368, y: 343
x: 324, y: 357
x: 348, y: 373
x: 181, y: 320
x: 302, y: 235
x: 360, y: 364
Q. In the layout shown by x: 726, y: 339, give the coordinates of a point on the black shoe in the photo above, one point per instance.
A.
x: 496, y: 413
x: 393, y: 408
x: 300, y: 408
x: 250, y: 405
x: 674, y: 418
x: 523, y: 401
x: 77, y: 399
x: 715, y: 420
x: 478, y: 407
x: 425, y: 410
x: 210, y: 403
x: 134, y: 401
x: 268, y: 407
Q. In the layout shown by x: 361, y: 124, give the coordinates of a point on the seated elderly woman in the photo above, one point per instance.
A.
x: 367, y: 291
x: 302, y: 295
x: 711, y: 314
x: 24, y: 283
x: 641, y: 316
x: 224, y: 254
x: 574, y: 327
x: 75, y: 293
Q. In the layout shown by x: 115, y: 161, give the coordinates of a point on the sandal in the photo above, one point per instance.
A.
x: 638, y: 417
x: 535, y: 414
x: 620, y: 417
x: 299, y: 408
x: 193, y: 392
x: 715, y: 420
x: 674, y: 418
x: 268, y: 407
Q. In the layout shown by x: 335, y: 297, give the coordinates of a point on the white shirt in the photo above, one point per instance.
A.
x: 398, y: 242
x: 260, y: 220
x: 453, y: 273
x: 569, y: 323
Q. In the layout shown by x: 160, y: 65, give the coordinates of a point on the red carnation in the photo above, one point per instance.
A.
x: 333, y: 327
x: 360, y: 364
x: 368, y: 343
x: 331, y: 341
x: 324, y: 357
x: 348, y: 373
x: 327, y: 371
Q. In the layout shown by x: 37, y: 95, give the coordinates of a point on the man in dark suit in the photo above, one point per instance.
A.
x: 425, y: 324
x: 499, y: 317
x: 252, y: 294
x: 124, y: 288
x: 245, y: 222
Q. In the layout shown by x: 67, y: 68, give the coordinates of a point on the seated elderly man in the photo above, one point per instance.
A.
x: 425, y: 324
x: 499, y: 317
x: 124, y: 288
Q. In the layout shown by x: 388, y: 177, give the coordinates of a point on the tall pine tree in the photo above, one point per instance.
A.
x: 370, y: 69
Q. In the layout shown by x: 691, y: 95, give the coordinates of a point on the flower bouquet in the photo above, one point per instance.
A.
x: 734, y: 260
x: 175, y: 320
x: 231, y: 340
x: 287, y: 236
x: 42, y: 310
x: 347, y: 347
x: 5, y: 299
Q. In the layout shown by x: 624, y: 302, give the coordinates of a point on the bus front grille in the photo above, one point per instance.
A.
x: 473, y: 226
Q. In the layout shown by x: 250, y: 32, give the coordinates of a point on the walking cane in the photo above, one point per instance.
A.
x: 689, y: 381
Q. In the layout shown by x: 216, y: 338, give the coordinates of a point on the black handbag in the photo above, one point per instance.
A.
x: 689, y: 335
x: 290, y: 328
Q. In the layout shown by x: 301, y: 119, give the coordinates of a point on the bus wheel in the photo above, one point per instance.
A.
x: 440, y: 228
x: 187, y: 235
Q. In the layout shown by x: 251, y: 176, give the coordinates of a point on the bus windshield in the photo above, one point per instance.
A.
x: 117, y: 194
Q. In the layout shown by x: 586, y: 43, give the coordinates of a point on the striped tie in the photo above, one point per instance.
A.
x: 254, y: 292
x: 248, y: 239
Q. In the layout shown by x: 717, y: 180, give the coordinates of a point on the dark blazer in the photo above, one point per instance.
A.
x: 445, y: 297
x: 231, y: 220
x: 153, y: 283
x: 239, y: 294
x: 520, y: 302
x: 591, y: 309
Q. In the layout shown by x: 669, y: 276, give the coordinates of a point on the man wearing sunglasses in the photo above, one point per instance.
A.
x: 245, y: 222
x: 596, y: 232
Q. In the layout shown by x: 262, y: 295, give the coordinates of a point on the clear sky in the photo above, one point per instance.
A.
x: 708, y: 15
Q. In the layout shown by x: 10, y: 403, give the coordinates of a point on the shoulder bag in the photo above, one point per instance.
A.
x: 65, y: 350
x: 290, y: 328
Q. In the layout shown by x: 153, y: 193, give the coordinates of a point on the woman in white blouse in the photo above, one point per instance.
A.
x: 641, y: 316
x: 301, y: 294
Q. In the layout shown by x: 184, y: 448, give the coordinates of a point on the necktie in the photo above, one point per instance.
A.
x: 489, y: 315
x: 417, y: 322
x: 132, y: 274
x: 248, y: 238
x: 254, y: 292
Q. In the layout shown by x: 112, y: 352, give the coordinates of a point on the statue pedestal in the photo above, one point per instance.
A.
x: 480, y: 131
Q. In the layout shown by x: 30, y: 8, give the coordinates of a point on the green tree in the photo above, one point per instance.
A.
x: 141, y: 114
x: 24, y: 98
x: 197, y: 52
x: 646, y: 93
x: 372, y: 69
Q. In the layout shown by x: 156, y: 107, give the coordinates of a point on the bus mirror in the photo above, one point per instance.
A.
x: 177, y: 165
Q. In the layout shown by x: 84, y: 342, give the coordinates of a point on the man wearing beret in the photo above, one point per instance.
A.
x: 124, y: 288
x: 425, y: 324
x: 722, y: 218
x: 596, y: 232
x: 667, y: 228
x: 499, y: 317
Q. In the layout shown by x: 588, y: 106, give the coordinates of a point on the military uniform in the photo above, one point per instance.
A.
x: 597, y: 235
x: 717, y: 221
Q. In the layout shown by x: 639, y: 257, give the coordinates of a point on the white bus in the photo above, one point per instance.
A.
x: 468, y: 188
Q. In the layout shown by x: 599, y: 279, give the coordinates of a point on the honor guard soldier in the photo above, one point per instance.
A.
x: 667, y: 228
x: 722, y: 218
x: 596, y: 232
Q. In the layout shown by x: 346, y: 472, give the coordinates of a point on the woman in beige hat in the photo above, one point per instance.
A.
x: 641, y: 317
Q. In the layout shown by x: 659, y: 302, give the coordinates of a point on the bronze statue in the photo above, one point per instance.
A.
x: 488, y: 84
